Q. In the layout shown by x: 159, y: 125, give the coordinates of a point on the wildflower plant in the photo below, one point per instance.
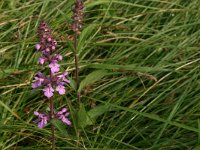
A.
x: 76, y: 26
x: 51, y: 82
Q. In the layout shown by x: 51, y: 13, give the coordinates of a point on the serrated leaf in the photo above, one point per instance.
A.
x: 92, y: 78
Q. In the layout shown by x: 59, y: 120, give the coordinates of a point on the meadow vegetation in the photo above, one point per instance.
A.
x: 139, y: 66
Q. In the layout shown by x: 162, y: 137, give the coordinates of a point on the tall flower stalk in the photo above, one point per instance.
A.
x: 76, y: 27
x: 51, y: 82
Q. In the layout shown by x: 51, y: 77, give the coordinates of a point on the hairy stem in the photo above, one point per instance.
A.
x: 77, y: 78
x: 52, y: 126
x: 77, y: 66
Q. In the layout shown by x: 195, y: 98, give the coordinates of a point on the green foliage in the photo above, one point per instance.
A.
x: 139, y: 75
x: 86, y: 118
x: 92, y: 78
x: 60, y: 127
x: 83, y: 117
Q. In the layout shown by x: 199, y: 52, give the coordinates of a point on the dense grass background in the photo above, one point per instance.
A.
x: 140, y: 75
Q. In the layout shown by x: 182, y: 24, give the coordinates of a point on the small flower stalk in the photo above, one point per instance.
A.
x: 51, y: 81
x: 77, y: 17
x: 76, y: 26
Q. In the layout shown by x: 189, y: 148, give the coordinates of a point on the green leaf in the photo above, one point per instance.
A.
x: 89, y: 118
x: 131, y: 67
x: 92, y: 78
x: 72, y: 84
x: 197, y: 148
x: 10, y: 110
x: 60, y: 126
x: 83, y: 118
x: 6, y: 72
x: 98, y: 110
x: 85, y: 35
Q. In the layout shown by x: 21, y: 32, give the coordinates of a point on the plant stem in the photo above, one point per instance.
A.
x: 77, y: 78
x: 76, y: 65
x: 52, y: 126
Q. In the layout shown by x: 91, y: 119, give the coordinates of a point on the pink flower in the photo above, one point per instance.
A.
x: 55, y: 42
x: 59, y: 57
x: 48, y: 91
x: 37, y: 46
x: 62, y: 77
x: 62, y: 115
x: 42, y: 119
x: 60, y: 89
x: 49, y: 39
x: 54, y: 66
x: 47, y: 50
x: 42, y: 60
x: 53, y: 47
x: 39, y: 79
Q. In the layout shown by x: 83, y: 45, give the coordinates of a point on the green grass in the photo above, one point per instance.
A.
x: 139, y: 67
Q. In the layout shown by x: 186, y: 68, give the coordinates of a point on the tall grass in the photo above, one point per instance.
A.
x: 139, y: 75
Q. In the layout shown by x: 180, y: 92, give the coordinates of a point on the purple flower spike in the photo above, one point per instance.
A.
x: 60, y: 89
x: 50, y: 81
x: 54, y: 66
x: 42, y: 119
x: 62, y: 115
x: 77, y: 16
x: 48, y: 91
x: 47, y: 46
